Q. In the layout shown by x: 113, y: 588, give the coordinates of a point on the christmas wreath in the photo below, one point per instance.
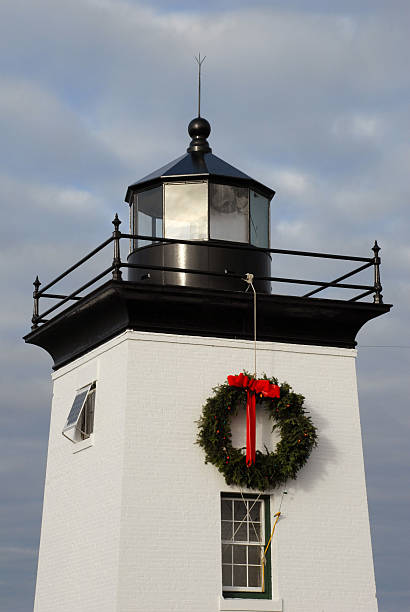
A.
x: 256, y: 470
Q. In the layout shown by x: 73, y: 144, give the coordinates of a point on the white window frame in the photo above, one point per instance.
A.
x: 84, y: 401
x: 249, y: 501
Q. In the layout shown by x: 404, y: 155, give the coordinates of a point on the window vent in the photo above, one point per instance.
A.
x: 80, y: 421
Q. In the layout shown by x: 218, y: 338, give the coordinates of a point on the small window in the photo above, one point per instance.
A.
x: 186, y: 210
x: 244, y: 535
x: 147, y: 215
x: 80, y: 422
x: 229, y: 213
x: 259, y: 216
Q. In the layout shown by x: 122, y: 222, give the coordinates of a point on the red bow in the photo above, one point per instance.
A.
x: 252, y: 386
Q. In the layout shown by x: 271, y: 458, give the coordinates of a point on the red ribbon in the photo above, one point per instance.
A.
x: 253, y: 387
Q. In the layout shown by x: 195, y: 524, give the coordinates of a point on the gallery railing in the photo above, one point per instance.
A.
x: 116, y: 266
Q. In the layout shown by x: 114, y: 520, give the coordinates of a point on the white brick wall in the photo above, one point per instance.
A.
x: 79, y: 547
x: 132, y: 523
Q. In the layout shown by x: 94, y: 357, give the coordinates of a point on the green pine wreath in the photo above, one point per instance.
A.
x: 271, y: 469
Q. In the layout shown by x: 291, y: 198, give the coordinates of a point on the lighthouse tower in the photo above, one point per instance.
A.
x: 134, y: 520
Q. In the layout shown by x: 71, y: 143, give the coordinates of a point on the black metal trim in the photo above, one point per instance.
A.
x: 184, y: 270
x: 240, y: 245
x: 73, y: 295
x: 120, y: 305
x: 361, y: 295
x: 59, y: 297
x: 277, y: 279
x: 336, y: 280
x: 78, y: 264
x: 117, y: 265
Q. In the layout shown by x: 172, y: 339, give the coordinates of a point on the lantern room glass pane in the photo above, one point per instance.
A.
x: 147, y: 215
x: 259, y: 212
x: 186, y: 211
x: 229, y: 213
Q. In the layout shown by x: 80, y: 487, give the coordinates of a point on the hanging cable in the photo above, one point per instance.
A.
x: 249, y: 279
x: 277, y: 515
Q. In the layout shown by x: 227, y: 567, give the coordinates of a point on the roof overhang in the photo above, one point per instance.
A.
x: 117, y: 306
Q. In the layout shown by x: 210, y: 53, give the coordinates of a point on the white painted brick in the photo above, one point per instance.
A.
x: 132, y: 522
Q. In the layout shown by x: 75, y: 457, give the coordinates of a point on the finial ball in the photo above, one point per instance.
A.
x: 199, y: 127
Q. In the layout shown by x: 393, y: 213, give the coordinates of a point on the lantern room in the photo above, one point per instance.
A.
x: 214, y: 208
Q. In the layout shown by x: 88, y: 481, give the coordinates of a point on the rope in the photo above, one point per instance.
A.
x: 266, y: 550
x: 249, y: 279
x: 278, y: 513
x: 248, y: 513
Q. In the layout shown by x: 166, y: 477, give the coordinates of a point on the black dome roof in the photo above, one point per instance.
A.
x: 198, y: 164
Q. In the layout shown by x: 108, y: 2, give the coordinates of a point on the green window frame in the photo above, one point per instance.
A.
x: 245, y: 532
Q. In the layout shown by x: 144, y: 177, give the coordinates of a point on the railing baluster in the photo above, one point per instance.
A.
x: 35, y: 317
x: 116, y: 262
x: 116, y: 266
x: 378, y: 297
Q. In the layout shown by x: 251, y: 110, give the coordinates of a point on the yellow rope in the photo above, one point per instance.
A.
x: 266, y: 550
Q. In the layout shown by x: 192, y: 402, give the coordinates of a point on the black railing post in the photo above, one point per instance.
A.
x: 116, y: 262
x: 377, y: 298
x: 36, y: 298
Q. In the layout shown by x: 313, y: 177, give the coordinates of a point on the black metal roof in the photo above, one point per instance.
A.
x: 198, y: 162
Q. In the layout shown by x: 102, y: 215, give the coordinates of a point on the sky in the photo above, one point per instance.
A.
x: 308, y: 97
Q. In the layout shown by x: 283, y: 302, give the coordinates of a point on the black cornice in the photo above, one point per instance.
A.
x: 117, y: 306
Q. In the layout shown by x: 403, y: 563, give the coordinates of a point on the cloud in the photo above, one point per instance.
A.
x: 360, y: 128
x: 37, y: 126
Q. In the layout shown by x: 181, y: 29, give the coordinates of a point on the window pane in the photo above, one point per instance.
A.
x: 255, y: 510
x: 186, y: 211
x: 87, y: 425
x: 244, y: 526
x: 226, y: 530
x: 254, y: 555
x: 254, y: 532
x: 226, y: 553
x: 239, y: 554
x: 254, y: 576
x: 147, y: 207
x: 259, y: 211
x: 241, y: 532
x: 240, y: 510
x: 239, y: 575
x: 144, y: 225
x: 226, y: 509
x: 227, y: 575
x: 229, y: 213
x: 76, y: 407
x: 158, y: 228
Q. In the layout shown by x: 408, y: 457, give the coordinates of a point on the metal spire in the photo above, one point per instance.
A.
x: 199, y: 61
